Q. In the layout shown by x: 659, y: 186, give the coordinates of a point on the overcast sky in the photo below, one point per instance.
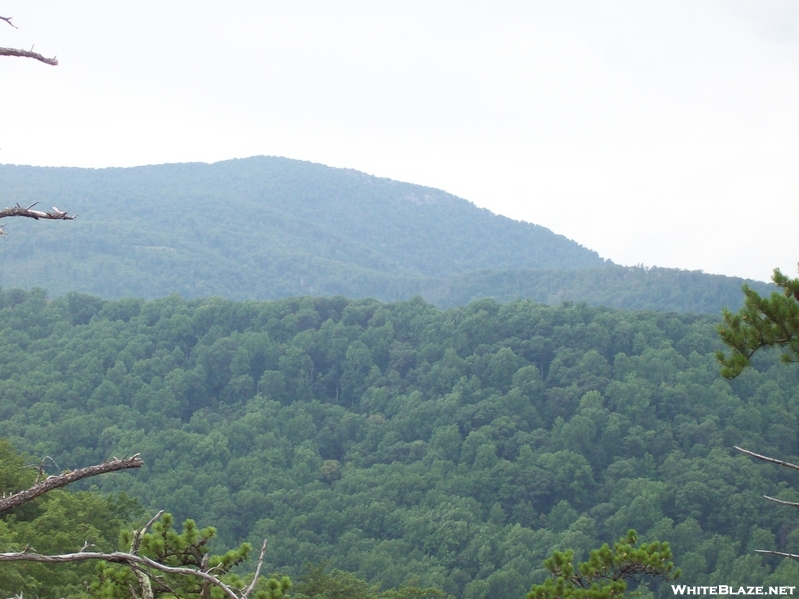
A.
x: 656, y: 133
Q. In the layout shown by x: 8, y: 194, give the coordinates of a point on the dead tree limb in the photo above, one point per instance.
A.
x: 144, y: 568
x: 780, y: 553
x: 118, y: 557
x: 28, y: 54
x: 54, y: 482
x: 257, y: 571
x: 25, y: 53
x: 766, y: 458
x: 139, y: 565
x: 781, y: 502
x: 145, y: 584
x: 54, y: 214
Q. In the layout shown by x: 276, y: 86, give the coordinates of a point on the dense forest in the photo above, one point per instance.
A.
x: 405, y: 444
x: 271, y: 228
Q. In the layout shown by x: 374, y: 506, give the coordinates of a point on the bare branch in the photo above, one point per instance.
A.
x: 62, y: 480
x: 147, y: 526
x: 25, y: 53
x: 40, y: 467
x: 144, y: 580
x: 28, y: 54
x: 118, y: 557
x: 767, y: 459
x: 781, y: 502
x: 257, y: 571
x: 86, y: 545
x: 18, y: 210
x: 780, y: 553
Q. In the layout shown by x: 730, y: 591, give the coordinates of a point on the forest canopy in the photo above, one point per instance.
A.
x: 454, y: 449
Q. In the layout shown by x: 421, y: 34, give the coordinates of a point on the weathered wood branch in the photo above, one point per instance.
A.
x: 774, y: 499
x: 54, y: 482
x: 781, y: 502
x: 28, y: 54
x: 780, y: 553
x: 767, y: 459
x: 117, y: 557
x: 138, y: 563
x: 25, y: 53
x: 144, y: 581
x: 257, y: 571
x: 54, y: 214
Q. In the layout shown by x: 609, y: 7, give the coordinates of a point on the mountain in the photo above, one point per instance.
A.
x: 626, y: 287
x: 269, y: 228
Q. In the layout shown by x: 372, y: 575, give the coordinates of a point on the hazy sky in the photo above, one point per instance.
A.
x: 661, y: 133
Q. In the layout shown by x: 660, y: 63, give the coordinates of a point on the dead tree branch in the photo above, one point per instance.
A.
x: 144, y: 568
x: 25, y: 53
x: 54, y: 214
x: 780, y: 553
x: 781, y: 502
x: 28, y: 54
x: 136, y: 562
x: 117, y: 557
x: 767, y: 459
x: 144, y: 580
x: 54, y: 482
x: 257, y: 571
x: 774, y: 499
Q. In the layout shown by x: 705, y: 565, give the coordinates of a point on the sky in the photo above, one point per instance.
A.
x: 662, y: 133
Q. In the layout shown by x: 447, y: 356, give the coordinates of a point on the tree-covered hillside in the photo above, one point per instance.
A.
x: 631, y: 288
x: 270, y: 228
x: 451, y: 448
x: 257, y: 228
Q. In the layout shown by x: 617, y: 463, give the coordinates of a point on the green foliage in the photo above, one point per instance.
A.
x: 317, y: 583
x: 762, y: 322
x: 607, y: 571
x: 455, y: 448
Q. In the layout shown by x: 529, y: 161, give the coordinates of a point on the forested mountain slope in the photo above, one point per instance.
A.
x: 260, y: 227
x: 633, y: 288
x: 454, y: 448
x: 269, y: 228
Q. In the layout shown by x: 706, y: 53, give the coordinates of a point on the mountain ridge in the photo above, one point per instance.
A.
x: 270, y: 227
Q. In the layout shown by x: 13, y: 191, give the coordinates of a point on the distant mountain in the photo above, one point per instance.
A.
x: 268, y: 228
x: 626, y: 287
